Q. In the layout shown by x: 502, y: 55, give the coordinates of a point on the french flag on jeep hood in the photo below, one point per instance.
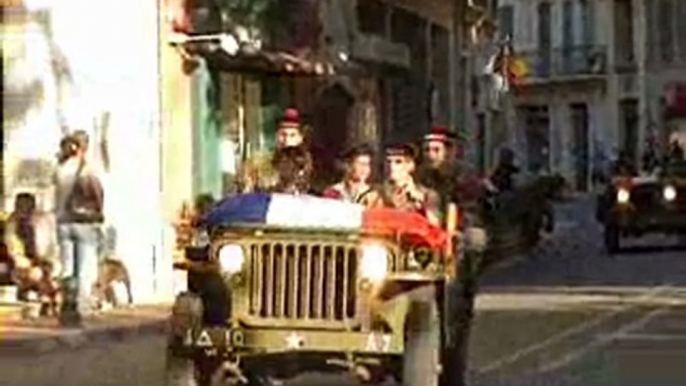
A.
x: 288, y: 211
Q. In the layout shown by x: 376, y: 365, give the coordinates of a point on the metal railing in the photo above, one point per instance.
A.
x: 568, y: 62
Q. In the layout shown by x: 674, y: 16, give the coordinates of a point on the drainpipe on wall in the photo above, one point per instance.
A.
x: 639, y: 40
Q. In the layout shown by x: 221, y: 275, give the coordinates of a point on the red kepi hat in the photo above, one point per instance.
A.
x: 440, y: 134
x: 290, y: 119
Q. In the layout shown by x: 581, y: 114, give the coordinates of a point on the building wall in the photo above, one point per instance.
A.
x: 526, y: 22
x: 31, y: 108
x: 113, y: 72
x: 560, y: 91
x: 176, y: 139
x: 659, y: 73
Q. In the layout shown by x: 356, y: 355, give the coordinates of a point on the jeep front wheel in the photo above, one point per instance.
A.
x: 181, y: 371
x: 422, y: 357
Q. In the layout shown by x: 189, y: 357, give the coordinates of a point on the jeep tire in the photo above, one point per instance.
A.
x: 422, y: 358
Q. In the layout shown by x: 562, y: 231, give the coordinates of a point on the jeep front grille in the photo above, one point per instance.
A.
x: 303, y: 281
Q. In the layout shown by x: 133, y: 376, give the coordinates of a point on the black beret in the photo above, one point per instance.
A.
x: 356, y: 151
x: 401, y: 149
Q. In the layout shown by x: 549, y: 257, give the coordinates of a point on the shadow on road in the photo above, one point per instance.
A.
x: 649, y: 249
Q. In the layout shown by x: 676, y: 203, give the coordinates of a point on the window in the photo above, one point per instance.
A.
x: 544, y: 40
x: 544, y: 27
x: 506, y: 21
x: 624, y: 32
x: 665, y: 14
x: 567, y: 24
x: 587, y: 22
x: 681, y: 28
x: 567, y: 36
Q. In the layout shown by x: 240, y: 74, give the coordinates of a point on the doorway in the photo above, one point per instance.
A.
x: 330, y: 134
x: 628, y: 120
x: 537, y: 121
x: 580, y: 153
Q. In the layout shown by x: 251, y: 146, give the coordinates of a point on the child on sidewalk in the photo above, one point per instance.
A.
x: 34, y: 271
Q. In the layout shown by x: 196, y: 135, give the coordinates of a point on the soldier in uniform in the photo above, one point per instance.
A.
x: 401, y: 191
x: 356, y: 186
x: 290, y: 168
x: 292, y: 160
x: 440, y: 170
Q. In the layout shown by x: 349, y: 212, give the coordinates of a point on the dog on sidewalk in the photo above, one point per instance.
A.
x: 113, y: 287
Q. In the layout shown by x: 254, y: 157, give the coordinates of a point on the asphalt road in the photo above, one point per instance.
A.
x: 570, y: 315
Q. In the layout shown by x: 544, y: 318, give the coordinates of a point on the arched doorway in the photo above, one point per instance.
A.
x: 331, y: 117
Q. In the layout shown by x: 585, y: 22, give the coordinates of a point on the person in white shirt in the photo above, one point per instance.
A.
x: 79, y: 211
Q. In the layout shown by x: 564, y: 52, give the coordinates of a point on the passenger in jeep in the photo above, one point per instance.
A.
x: 356, y: 185
x: 292, y: 160
x: 401, y: 191
x: 288, y: 170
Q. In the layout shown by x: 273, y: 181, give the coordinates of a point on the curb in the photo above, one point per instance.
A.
x: 70, y: 339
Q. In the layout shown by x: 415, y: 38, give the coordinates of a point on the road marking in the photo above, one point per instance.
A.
x: 651, y: 337
x: 602, y: 340
x: 581, y: 327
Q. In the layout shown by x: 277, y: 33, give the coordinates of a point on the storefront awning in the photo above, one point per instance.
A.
x: 267, y: 62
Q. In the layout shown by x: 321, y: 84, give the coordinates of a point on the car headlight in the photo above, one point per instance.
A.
x: 374, y: 263
x: 230, y: 258
x: 669, y: 193
x: 623, y: 195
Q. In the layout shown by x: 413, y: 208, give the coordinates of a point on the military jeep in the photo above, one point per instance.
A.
x: 267, y: 303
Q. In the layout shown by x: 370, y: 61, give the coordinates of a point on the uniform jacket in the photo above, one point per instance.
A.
x: 412, y: 198
x: 368, y: 197
x: 289, y: 171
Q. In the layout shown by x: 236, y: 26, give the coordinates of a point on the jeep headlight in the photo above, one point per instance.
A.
x: 623, y: 195
x: 669, y: 193
x: 230, y: 258
x: 374, y: 263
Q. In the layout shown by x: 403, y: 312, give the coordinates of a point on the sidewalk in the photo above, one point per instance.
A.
x: 40, y: 336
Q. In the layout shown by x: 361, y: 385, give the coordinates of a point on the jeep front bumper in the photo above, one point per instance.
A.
x: 248, y: 342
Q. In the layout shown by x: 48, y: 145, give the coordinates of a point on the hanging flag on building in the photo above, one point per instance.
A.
x: 506, y: 68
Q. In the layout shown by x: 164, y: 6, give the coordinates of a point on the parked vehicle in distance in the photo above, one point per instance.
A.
x: 635, y: 206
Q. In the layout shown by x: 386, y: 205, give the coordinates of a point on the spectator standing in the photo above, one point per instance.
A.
x: 79, y: 201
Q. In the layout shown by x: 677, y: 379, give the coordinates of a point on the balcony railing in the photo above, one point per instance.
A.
x: 565, y: 63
